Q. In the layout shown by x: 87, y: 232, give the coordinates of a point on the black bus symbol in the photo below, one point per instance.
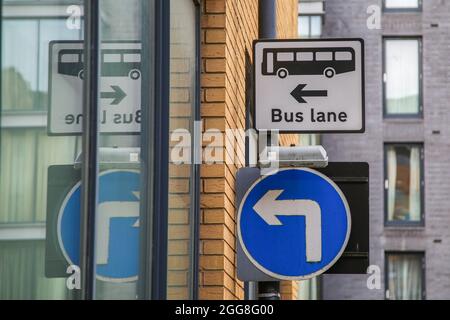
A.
x: 115, y: 63
x: 308, y: 61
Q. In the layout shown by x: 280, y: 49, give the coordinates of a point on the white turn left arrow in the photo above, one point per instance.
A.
x: 268, y: 208
x: 108, y: 211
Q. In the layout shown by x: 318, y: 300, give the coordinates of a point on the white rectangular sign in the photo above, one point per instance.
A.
x: 120, y: 85
x: 309, y: 85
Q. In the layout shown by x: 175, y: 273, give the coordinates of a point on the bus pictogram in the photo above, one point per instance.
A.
x: 114, y: 63
x: 308, y: 61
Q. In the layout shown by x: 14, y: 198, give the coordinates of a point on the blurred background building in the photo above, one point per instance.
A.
x: 406, y: 141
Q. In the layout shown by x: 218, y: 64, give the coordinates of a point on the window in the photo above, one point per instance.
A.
x: 26, y: 149
x: 24, y: 63
x: 324, y: 56
x: 405, y: 276
x: 305, y: 56
x: 120, y: 25
x: 285, y: 56
x: 68, y: 58
x: 111, y: 58
x: 404, y: 184
x: 22, y: 275
x: 402, y: 5
x: 33, y: 256
x: 343, y: 56
x: 309, y: 26
x: 131, y: 58
x: 402, y: 77
x: 310, y: 19
x: 183, y: 178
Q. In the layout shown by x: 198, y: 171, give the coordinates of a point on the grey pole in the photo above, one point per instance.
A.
x: 267, y: 29
x: 269, y: 290
x: 267, y: 19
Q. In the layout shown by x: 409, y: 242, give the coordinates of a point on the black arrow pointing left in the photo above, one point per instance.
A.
x: 298, y: 93
x: 117, y: 95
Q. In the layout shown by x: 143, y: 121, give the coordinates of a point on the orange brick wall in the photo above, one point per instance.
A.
x: 228, y: 30
x: 289, y: 290
x: 287, y: 13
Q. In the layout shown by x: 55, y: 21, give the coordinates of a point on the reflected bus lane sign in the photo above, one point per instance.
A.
x: 120, y: 87
x: 309, y: 85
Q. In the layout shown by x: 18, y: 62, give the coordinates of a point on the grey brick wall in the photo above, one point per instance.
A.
x: 347, y: 18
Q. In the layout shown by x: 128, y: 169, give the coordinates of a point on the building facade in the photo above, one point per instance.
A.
x: 173, y: 74
x: 406, y: 144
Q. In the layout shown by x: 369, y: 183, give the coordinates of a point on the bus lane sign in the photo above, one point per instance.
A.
x: 120, y: 87
x: 309, y: 86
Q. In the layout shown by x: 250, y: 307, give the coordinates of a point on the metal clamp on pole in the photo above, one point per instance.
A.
x: 269, y: 296
x: 118, y: 158
x: 309, y: 156
x: 269, y: 290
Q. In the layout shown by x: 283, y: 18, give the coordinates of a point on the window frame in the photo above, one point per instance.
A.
x: 22, y: 232
x: 419, y: 8
x: 34, y: 119
x: 195, y: 168
x: 154, y: 165
x: 38, y: 117
x: 155, y: 208
x: 420, y: 253
x: 403, y: 224
x: 419, y: 114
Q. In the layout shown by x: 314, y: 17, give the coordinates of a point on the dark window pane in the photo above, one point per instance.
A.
x: 303, y: 27
x: 403, y: 183
x: 401, y: 4
x: 402, y: 76
x: 316, y: 26
x: 405, y: 276
x: 22, y: 272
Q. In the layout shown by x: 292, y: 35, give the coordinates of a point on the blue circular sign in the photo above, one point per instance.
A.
x: 294, y: 224
x: 117, y: 243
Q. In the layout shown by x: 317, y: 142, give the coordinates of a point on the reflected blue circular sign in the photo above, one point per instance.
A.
x: 294, y: 224
x: 117, y: 238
